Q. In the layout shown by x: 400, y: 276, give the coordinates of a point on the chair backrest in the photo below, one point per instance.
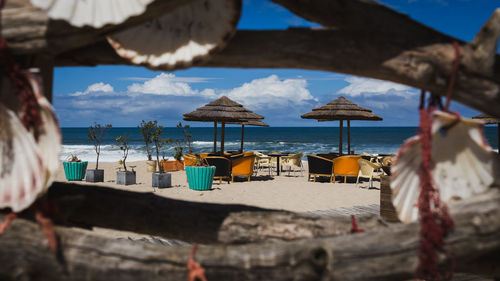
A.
x: 331, y: 155
x: 222, y: 165
x: 296, y: 159
x: 243, y: 165
x: 366, y: 167
x: 250, y: 153
x: 346, y: 165
x: 204, y: 155
x: 387, y: 160
x: 319, y: 165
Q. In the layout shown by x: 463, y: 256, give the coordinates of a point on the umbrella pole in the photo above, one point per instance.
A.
x: 341, y: 128
x: 223, y: 127
x: 215, y: 136
x: 348, y: 136
x: 242, y: 135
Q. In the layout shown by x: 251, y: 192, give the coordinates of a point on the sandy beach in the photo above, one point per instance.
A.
x: 291, y: 193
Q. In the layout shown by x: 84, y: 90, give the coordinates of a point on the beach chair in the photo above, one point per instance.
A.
x: 222, y: 167
x: 319, y: 167
x: 262, y: 161
x: 190, y: 159
x: 346, y: 166
x: 243, y: 167
x: 367, y: 170
x: 294, y: 160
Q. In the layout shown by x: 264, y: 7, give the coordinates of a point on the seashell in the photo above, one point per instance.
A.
x: 463, y: 164
x: 94, y: 13
x: 189, y: 33
x: 22, y: 169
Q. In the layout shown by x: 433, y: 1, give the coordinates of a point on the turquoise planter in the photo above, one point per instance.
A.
x: 200, y: 178
x: 75, y: 171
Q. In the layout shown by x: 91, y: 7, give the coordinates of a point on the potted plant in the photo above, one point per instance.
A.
x: 180, y: 144
x: 124, y: 177
x: 200, y: 176
x: 96, y: 133
x: 74, y: 168
x: 147, y: 131
x: 160, y: 179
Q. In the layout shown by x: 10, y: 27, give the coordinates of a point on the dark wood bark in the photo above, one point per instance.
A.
x: 387, y: 254
x: 28, y: 30
x: 88, y: 206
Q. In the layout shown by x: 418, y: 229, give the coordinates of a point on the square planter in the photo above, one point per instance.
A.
x: 125, y: 177
x: 94, y: 175
x: 162, y: 180
x: 75, y: 171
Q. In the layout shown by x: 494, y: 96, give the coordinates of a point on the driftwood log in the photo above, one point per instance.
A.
x: 89, y: 206
x: 385, y: 254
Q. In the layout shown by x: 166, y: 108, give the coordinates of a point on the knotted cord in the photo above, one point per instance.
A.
x: 195, y: 270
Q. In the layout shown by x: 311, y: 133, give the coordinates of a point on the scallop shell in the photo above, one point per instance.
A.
x: 463, y: 164
x: 189, y: 33
x: 22, y: 170
x: 94, y: 13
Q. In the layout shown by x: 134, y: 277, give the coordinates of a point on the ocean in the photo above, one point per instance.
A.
x: 309, y: 140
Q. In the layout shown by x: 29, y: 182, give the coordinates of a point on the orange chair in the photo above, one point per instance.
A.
x: 190, y: 159
x: 346, y: 166
x: 243, y: 167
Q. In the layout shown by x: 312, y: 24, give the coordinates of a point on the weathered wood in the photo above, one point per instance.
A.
x: 421, y: 63
x: 88, y: 206
x: 28, y: 30
x: 387, y: 254
x: 387, y: 210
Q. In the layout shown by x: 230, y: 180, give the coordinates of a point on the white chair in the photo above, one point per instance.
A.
x: 262, y: 162
x: 293, y: 160
x: 367, y: 170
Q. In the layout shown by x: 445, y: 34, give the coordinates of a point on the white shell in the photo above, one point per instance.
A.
x: 94, y: 13
x: 463, y: 164
x: 188, y: 33
x: 22, y: 170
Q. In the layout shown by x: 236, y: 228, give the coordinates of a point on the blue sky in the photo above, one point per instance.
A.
x: 125, y: 95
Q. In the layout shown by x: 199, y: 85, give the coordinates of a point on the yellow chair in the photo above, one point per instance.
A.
x: 190, y: 159
x: 346, y: 166
x: 243, y: 167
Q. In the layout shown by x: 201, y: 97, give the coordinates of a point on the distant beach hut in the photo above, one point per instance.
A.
x: 255, y: 122
x: 342, y: 109
x: 490, y: 120
x: 223, y: 110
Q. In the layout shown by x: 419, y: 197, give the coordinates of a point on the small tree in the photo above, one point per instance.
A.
x: 158, y: 142
x: 187, y: 135
x: 147, y: 129
x: 122, y: 143
x: 96, y: 133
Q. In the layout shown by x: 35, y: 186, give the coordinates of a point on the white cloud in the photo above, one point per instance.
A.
x: 95, y: 88
x: 359, y: 86
x: 166, y: 84
x: 173, y: 78
x: 271, y: 92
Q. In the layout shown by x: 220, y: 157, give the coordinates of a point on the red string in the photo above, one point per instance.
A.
x: 354, y: 226
x: 195, y: 270
x: 451, y: 85
x: 434, y: 218
x: 8, y: 219
x: 47, y: 229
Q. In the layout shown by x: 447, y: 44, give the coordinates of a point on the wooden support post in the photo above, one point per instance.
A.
x: 348, y: 136
x: 498, y: 140
x: 223, y: 127
x: 215, y: 136
x: 341, y: 129
x: 242, y: 135
x: 46, y: 66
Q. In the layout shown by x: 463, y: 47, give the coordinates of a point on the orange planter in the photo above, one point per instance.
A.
x: 171, y: 166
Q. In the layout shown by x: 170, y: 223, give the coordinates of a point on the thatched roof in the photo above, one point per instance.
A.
x: 341, y: 109
x: 222, y: 109
x: 487, y: 118
x: 252, y: 123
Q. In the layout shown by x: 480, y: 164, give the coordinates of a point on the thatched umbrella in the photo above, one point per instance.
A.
x: 341, y: 109
x: 255, y: 122
x: 222, y: 110
x: 490, y: 120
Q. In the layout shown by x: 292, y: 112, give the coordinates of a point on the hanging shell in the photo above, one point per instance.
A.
x: 463, y: 164
x: 22, y: 169
x: 189, y: 33
x: 94, y: 13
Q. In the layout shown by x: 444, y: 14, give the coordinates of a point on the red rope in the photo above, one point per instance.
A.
x: 195, y: 270
x: 8, y: 219
x: 451, y: 85
x: 434, y: 218
x: 354, y: 226
x: 47, y: 229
